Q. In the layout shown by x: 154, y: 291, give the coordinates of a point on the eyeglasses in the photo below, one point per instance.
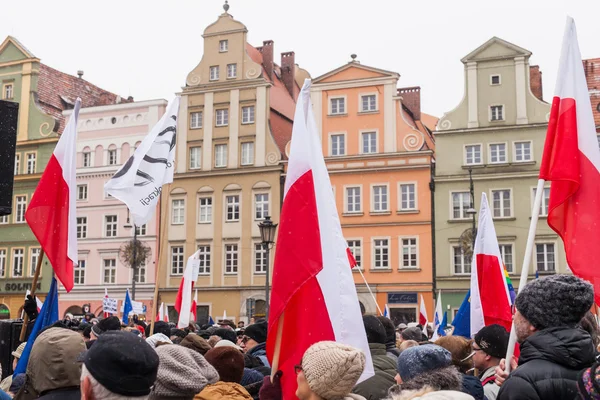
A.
x: 476, y: 349
x: 297, y: 369
x: 245, y: 339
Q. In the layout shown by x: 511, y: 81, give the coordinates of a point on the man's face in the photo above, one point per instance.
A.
x: 247, y: 344
x: 303, y: 392
x: 480, y: 358
x: 15, y: 361
x: 523, y: 327
x: 241, y: 324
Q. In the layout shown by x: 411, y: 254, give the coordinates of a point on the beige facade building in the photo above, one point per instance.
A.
x: 497, y: 132
x: 235, y: 119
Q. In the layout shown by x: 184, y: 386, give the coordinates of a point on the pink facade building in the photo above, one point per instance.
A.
x: 107, y: 137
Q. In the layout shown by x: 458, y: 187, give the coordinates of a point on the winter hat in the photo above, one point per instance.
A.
x: 196, y: 343
x: 375, y: 330
x: 251, y: 376
x: 159, y: 327
x: 417, y: 360
x: 227, y: 334
x: 17, y: 353
x: 412, y: 333
x: 256, y: 332
x: 182, y: 373
x: 557, y: 300
x: 390, y: 330
x: 493, y: 340
x: 156, y: 338
x: 228, y: 361
x: 588, y: 383
x: 111, y: 323
x: 332, y: 369
x: 227, y: 343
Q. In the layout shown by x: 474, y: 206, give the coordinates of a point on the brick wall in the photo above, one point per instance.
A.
x: 535, y: 81
x: 592, y: 75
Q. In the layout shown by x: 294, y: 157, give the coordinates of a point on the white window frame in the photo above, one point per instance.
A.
x: 387, y: 209
x: 360, y: 202
x: 196, y: 123
x: 401, y: 240
x: 224, y: 117
x: 546, y: 242
x: 464, y: 262
x: 82, y: 185
x: 248, y: 114
x: 105, y: 225
x: 247, y: 157
x: 21, y: 262
x: 30, y: 162
x: 6, y: 88
x: 87, y: 159
x: 480, y: 153
x: 141, y: 230
x: 205, y: 210
x: 262, y: 203
x: 223, y: 156
x: 343, y: 150
x: 33, y: 258
x: 374, y: 251
x: 109, y: 152
x: 512, y: 261
x: 3, y: 219
x: 490, y: 153
x: 510, y: 194
x: 223, y: 46
x: 231, y: 71
x: 491, y: 113
x: 205, y: 258
x: 360, y: 102
x: 416, y: 196
x: 463, y: 211
x: 180, y: 260
x: 17, y: 163
x: 235, y: 256
x: 515, y: 151
x: 81, y: 233
x: 111, y: 268
x: 3, y: 262
x: 79, y: 272
x: 544, y: 205
x: 360, y: 141
x: 259, y: 248
x: 178, y: 219
x: 213, y: 73
x: 239, y: 207
x: 330, y: 104
x: 19, y: 217
x: 197, y: 157
x: 359, y: 260
x: 492, y: 80
x: 141, y: 273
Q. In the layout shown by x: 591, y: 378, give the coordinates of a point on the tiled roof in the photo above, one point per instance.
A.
x: 58, y: 91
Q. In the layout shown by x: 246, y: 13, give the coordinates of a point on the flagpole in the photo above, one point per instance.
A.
x: 535, y: 216
x: 36, y: 276
x: 369, y: 288
x: 277, y: 350
x: 161, y: 234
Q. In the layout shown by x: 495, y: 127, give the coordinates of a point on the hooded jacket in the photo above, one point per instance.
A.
x: 376, y: 387
x: 447, y: 378
x: 223, y: 390
x: 548, y: 366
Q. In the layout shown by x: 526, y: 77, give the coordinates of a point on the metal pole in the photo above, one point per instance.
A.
x: 134, y: 266
x: 267, y: 250
x: 472, y: 190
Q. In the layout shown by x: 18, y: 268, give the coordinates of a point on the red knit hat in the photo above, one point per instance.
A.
x: 228, y: 361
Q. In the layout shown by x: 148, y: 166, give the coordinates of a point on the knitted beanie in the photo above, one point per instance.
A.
x: 156, y: 338
x: 420, y: 359
x: 256, y: 332
x: 557, y: 300
x: 111, y: 323
x: 182, y: 373
x: 228, y: 361
x: 374, y: 329
x: 196, y: 343
x: 412, y: 333
x: 332, y: 369
x: 251, y: 376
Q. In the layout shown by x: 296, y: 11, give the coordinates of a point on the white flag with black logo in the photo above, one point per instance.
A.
x: 139, y: 182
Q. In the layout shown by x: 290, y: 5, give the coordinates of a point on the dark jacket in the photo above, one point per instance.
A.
x: 62, y: 394
x: 472, y: 385
x: 392, y: 351
x: 377, y: 386
x: 548, y: 366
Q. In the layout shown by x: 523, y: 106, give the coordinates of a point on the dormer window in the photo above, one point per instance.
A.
x: 495, y: 80
x: 223, y: 46
x: 497, y: 113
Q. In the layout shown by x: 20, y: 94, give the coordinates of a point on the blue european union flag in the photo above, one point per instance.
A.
x: 127, y: 308
x: 462, y: 320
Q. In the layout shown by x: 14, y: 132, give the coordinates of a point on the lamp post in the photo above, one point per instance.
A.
x: 267, y: 235
x: 471, y: 210
x: 128, y: 226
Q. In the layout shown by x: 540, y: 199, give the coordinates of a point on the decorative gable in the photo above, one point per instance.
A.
x: 354, y: 71
x: 12, y: 50
x: 496, y: 49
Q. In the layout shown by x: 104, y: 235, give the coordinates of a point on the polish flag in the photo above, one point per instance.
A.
x: 571, y: 162
x: 313, y: 291
x: 38, y: 302
x: 163, y: 315
x: 194, y: 303
x: 423, y: 320
x: 183, y: 301
x: 105, y: 314
x: 51, y: 214
x: 490, y: 297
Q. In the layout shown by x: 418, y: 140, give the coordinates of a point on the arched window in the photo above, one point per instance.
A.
x: 4, y: 311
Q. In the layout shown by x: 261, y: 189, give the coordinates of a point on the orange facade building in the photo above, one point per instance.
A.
x: 379, y: 151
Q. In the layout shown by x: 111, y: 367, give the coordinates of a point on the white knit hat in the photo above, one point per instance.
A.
x: 332, y: 369
x: 156, y: 338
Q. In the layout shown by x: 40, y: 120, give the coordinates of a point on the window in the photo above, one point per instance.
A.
x: 139, y: 274
x: 545, y: 257
x: 17, y: 163
x: 2, y: 263
x: 220, y: 155
x: 214, y: 73
x: 355, y: 247
x: 462, y: 264
x: 261, y: 204
x: 497, y: 153
x: 506, y: 251
x: 4, y: 219
x: 205, y: 213
x: 87, y: 159
x: 409, y: 253
x: 82, y: 192
x: 81, y: 227
x: 21, y: 208
x: 408, y: 197
x: 31, y: 163
x: 380, y: 198
x: 495, y: 79
x: 353, y: 201
x: 369, y: 142
x: 17, y: 262
x: 112, y: 157
x: 233, y: 208
x: 473, y: 154
x: 177, y: 260
x: 248, y: 153
x: 231, y: 258
x: 368, y: 103
x: 231, y: 71
x: 381, y: 253
x: 223, y: 46
x: 8, y: 91
x: 338, y: 145
x: 79, y: 273
x: 222, y: 117
x: 196, y: 120
x: 204, y: 257
x: 178, y: 212
x: 598, y: 139
x: 248, y: 115
x: 34, y: 256
x: 461, y: 202
x: 110, y: 270
x: 195, y: 157
x: 140, y: 230
x: 338, y: 105
x: 496, y: 113
x: 110, y: 225
x: 523, y: 151
x: 260, y: 259
x: 501, y: 203
x: 545, y: 201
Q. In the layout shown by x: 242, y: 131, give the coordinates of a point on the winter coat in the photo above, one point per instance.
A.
x: 392, y: 351
x: 490, y: 389
x: 62, y: 394
x: 5, y: 384
x: 427, y: 394
x: 260, y: 351
x: 376, y: 387
x: 548, y: 366
x: 472, y: 385
x: 223, y: 390
x: 447, y: 378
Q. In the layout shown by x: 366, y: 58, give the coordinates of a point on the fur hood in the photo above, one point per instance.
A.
x: 428, y: 393
x: 447, y: 378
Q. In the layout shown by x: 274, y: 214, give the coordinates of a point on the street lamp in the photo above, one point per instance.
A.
x: 471, y: 210
x: 267, y: 235
x: 128, y: 225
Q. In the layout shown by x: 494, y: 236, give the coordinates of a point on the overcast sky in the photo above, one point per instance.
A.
x: 146, y: 48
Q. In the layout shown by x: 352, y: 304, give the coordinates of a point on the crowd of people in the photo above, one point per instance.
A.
x: 105, y: 360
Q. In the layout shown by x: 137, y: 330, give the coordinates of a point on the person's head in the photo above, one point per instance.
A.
x: 17, y: 354
x: 489, y: 346
x: 420, y: 359
x: 86, y: 333
x: 374, y: 329
x: 412, y: 333
x: 159, y: 327
x: 228, y: 361
x: 177, y: 333
x: 254, y: 335
x: 552, y: 301
x: 407, y: 344
x: 226, y: 334
x: 390, y: 329
x: 196, y: 343
x: 158, y: 339
x: 119, y: 365
x: 589, y: 324
x: 111, y: 323
x: 460, y: 348
x: 227, y: 324
x: 401, y: 327
x: 182, y: 373
x: 328, y: 370
x: 241, y: 324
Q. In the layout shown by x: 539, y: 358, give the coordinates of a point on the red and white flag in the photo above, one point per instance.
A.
x: 423, y: 319
x: 490, y: 298
x: 105, y: 314
x: 194, y: 304
x: 51, y: 214
x: 183, y: 301
x: 312, y: 268
x: 38, y: 302
x: 163, y: 314
x: 571, y: 162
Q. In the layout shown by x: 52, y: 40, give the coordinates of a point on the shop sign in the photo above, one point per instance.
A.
x: 402, y: 298
x: 18, y: 287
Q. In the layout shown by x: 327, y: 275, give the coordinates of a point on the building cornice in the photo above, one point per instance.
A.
x: 349, y: 84
x: 491, y: 128
x: 483, y: 177
x: 228, y: 171
x: 224, y: 86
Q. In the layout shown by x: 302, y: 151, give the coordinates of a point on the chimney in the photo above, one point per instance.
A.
x: 80, y: 73
x: 267, y: 53
x: 288, y: 72
x: 535, y: 81
x: 411, y: 98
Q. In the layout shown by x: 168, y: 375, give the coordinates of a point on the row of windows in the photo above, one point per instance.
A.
x: 246, y: 152
x: 215, y: 72
x: 19, y: 214
x: 407, y: 198
x: 232, y: 209
x: 380, y: 257
x: 18, y: 261
x: 111, y: 158
x: 502, y: 204
x: 30, y: 159
x: 231, y: 259
x: 221, y: 117
x: 368, y: 143
x: 109, y: 272
x: 110, y: 227
x: 498, y: 153
x: 367, y: 103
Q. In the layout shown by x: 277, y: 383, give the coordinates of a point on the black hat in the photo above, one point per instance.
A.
x: 123, y: 363
x: 257, y: 332
x: 159, y: 327
x: 493, y: 340
x: 374, y: 329
x: 111, y: 323
x: 227, y: 334
x: 390, y: 329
